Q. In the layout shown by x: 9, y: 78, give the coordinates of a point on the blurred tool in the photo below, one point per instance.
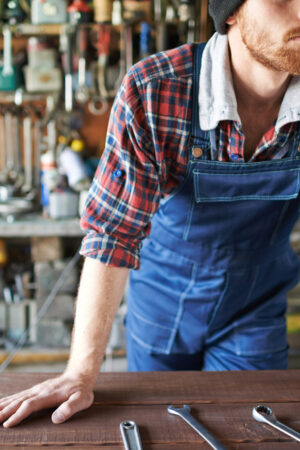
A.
x: 186, y: 12
x: 66, y: 46
x: 28, y: 151
x: 49, y: 176
x: 15, y: 148
x: 48, y: 11
x: 160, y: 7
x: 79, y: 12
x: 71, y: 164
x: 12, y: 12
x: 10, y: 74
x: 82, y: 92
x: 146, y: 42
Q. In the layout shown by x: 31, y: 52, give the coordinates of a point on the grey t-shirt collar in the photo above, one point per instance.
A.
x: 217, y: 100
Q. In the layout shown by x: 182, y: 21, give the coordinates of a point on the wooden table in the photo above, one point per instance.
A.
x: 222, y: 401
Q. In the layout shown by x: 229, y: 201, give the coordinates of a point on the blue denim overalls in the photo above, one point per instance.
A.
x: 211, y: 291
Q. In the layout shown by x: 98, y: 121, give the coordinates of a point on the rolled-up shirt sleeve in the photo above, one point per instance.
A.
x: 125, y: 191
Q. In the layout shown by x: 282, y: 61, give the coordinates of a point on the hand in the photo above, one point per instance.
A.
x: 70, y: 393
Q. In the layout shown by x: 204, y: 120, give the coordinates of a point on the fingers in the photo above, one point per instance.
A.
x: 25, y: 404
x: 8, y: 410
x: 77, y: 402
x: 21, y: 412
x: 18, y: 411
x: 68, y: 393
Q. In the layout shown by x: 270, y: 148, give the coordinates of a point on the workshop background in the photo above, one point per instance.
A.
x: 61, y: 65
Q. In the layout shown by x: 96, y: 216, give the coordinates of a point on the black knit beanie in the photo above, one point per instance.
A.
x: 220, y: 10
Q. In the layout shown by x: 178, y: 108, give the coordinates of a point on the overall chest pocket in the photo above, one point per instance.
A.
x: 219, y: 186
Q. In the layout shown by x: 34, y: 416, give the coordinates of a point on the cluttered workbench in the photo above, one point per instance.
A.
x: 221, y: 401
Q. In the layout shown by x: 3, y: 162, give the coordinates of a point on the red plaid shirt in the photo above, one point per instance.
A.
x: 146, y: 155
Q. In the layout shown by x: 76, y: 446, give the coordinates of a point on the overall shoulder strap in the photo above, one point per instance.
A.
x: 197, y: 60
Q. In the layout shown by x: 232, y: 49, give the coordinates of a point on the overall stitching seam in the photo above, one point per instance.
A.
x: 180, y: 309
x: 240, y: 352
x: 219, y: 303
x: 279, y: 222
x: 199, y: 172
x: 189, y: 219
x: 256, y: 273
x: 246, y: 197
x: 250, y: 167
x: 150, y: 322
x: 149, y: 347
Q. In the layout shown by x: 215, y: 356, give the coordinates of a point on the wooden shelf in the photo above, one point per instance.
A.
x: 34, y: 225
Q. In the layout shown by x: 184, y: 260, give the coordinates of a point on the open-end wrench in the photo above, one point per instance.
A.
x: 264, y: 414
x: 185, y: 414
x: 131, y: 436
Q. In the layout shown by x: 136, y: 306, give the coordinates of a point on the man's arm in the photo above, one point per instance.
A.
x: 100, y: 292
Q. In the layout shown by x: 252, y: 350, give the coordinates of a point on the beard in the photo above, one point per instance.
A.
x: 275, y: 55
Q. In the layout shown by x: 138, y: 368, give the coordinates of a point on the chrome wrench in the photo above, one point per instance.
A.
x: 185, y: 414
x: 131, y: 436
x: 265, y: 414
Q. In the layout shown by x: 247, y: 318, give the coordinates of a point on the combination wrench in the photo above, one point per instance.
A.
x: 185, y: 414
x: 264, y: 414
x: 131, y: 436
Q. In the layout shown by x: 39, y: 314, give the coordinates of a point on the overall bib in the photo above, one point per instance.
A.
x: 211, y: 290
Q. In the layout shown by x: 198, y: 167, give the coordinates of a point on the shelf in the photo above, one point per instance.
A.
x: 52, y: 29
x: 34, y: 225
x: 9, y: 96
x: 29, y: 29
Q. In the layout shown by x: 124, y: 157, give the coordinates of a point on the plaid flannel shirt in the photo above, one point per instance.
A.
x: 146, y: 155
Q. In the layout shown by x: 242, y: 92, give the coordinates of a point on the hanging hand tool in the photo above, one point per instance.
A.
x: 66, y: 45
x: 10, y: 75
x: 82, y: 91
x: 18, y: 100
x: 103, y: 16
x: 9, y: 160
x: 28, y: 151
x: 101, y: 42
x: 131, y: 436
x: 160, y: 24
x: 264, y: 414
x: 186, y: 13
x: 185, y: 414
x: 2, y: 147
x: 37, y: 139
x: 16, y: 146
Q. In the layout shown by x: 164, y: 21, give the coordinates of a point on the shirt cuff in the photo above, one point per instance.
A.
x: 109, y: 251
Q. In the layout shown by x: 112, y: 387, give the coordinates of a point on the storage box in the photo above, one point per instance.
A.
x: 42, y: 80
x: 63, y: 204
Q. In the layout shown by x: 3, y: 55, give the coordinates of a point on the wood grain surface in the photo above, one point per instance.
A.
x: 221, y: 401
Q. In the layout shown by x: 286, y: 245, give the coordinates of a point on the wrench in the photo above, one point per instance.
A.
x: 131, y: 436
x: 264, y: 414
x: 185, y: 414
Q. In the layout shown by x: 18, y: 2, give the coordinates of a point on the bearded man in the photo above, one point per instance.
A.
x: 203, y: 143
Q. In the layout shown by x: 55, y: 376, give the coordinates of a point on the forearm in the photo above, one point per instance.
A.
x: 100, y: 292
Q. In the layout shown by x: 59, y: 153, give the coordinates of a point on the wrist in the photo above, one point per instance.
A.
x: 87, y: 376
